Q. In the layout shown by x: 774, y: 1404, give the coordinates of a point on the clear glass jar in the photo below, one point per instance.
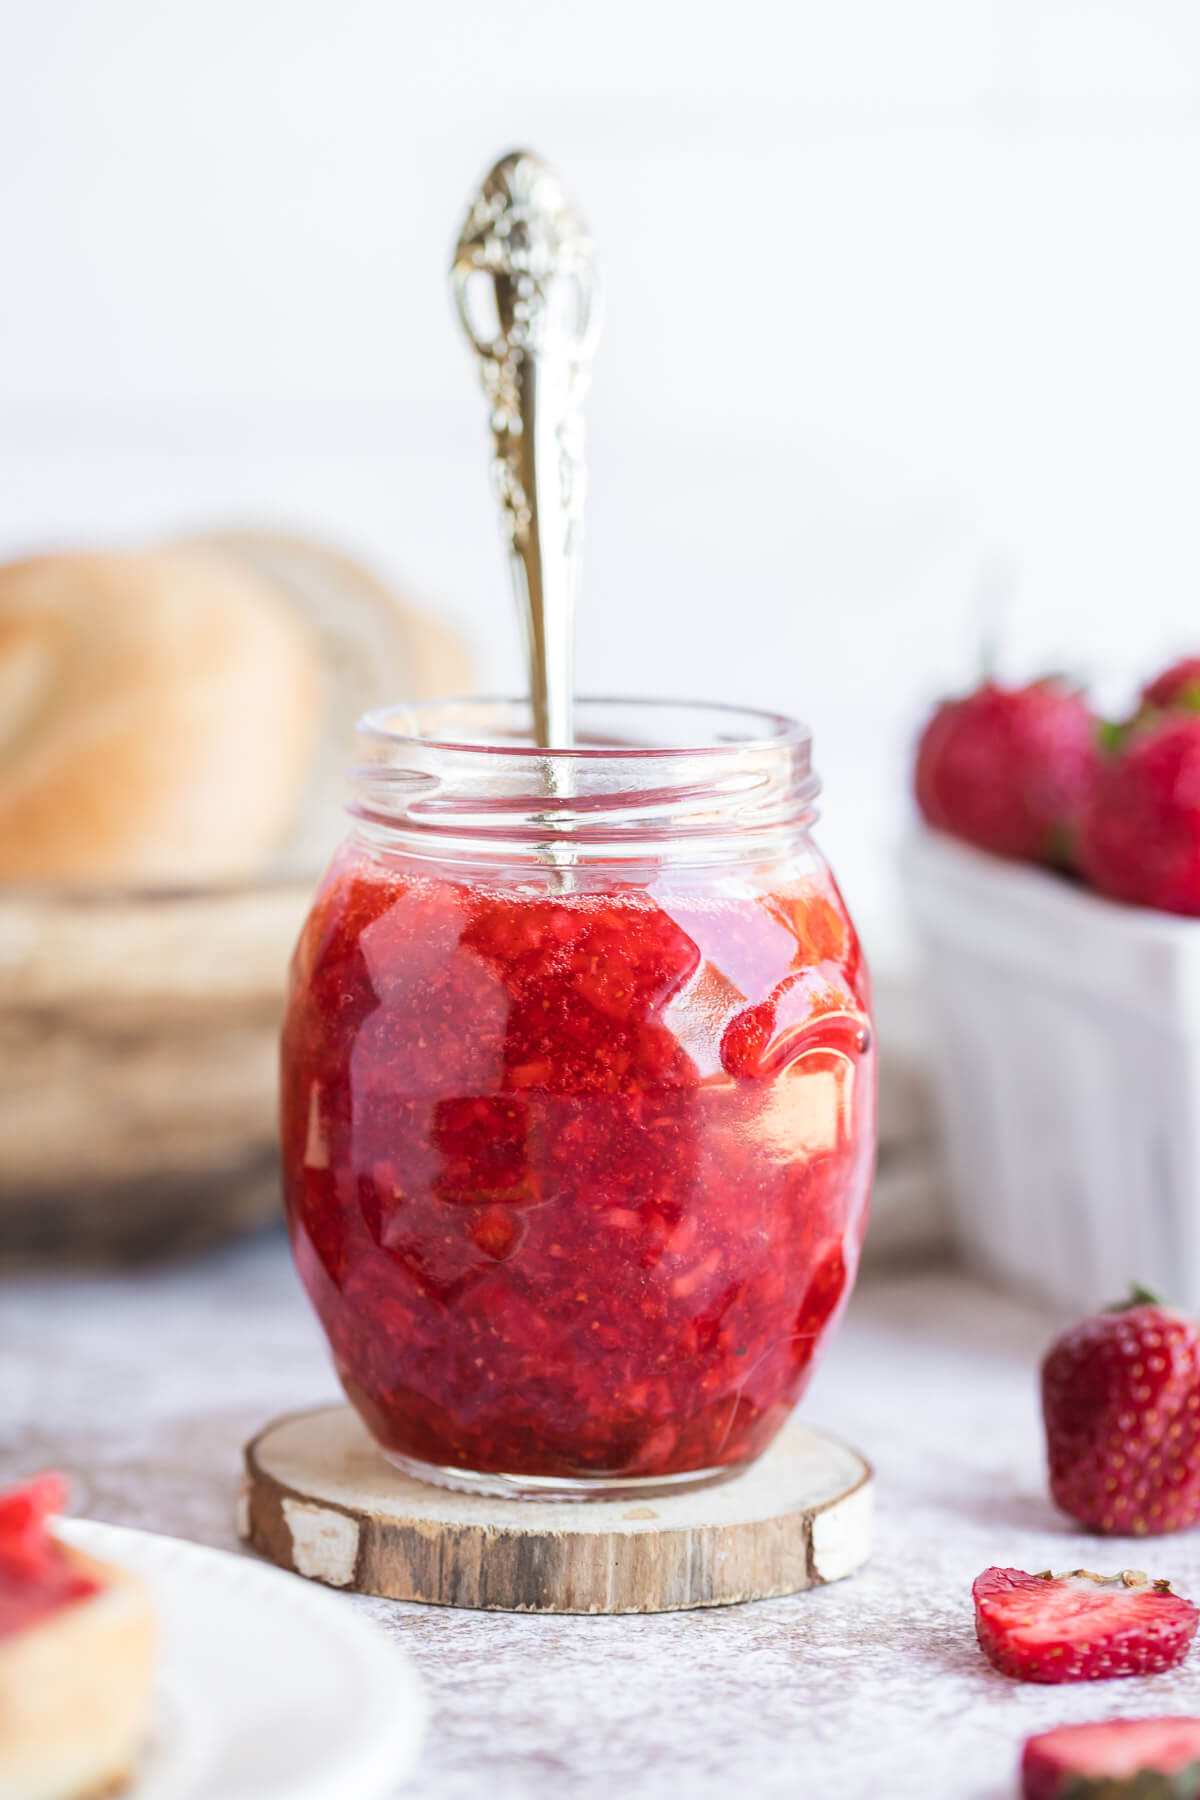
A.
x: 578, y: 1095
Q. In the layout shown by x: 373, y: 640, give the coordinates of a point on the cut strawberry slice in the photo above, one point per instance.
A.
x: 1079, y: 1626
x: 1140, y: 1758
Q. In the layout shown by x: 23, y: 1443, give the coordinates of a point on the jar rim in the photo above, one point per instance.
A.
x: 732, y: 779
x: 397, y: 724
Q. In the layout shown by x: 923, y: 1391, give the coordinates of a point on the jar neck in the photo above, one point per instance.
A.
x: 461, y: 780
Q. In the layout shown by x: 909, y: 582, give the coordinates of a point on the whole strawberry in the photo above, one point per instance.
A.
x: 1080, y: 1626
x: 1139, y: 837
x: 1008, y: 768
x: 1121, y: 1405
x: 1177, y: 687
x: 1145, y: 1759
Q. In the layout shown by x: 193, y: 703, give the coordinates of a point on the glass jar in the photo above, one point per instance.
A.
x: 578, y: 1095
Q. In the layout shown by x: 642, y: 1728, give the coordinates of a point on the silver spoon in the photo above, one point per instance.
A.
x: 525, y: 284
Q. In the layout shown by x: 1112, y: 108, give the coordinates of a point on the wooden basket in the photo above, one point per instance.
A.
x: 139, y: 1067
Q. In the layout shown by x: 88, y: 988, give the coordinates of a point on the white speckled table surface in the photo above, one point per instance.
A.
x: 145, y: 1387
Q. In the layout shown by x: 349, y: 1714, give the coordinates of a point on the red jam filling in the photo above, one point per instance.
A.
x: 576, y: 1181
x: 36, y: 1575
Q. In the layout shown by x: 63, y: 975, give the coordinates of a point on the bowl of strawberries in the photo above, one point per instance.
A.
x: 1055, y: 891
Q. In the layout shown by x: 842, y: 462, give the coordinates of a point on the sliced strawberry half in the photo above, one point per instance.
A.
x: 1140, y: 1758
x: 1079, y: 1626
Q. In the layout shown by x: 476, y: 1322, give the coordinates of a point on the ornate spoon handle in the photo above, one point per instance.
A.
x: 525, y: 284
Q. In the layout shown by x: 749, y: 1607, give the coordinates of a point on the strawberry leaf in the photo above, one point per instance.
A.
x: 1137, y: 1296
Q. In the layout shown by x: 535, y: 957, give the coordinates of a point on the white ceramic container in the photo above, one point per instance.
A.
x: 1066, y: 1033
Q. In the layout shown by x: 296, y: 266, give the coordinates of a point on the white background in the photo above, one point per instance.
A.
x: 904, y: 301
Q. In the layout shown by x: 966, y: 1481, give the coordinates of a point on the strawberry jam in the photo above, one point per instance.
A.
x: 576, y: 1169
x: 36, y: 1575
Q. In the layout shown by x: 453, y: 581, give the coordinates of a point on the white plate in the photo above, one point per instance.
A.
x: 269, y: 1688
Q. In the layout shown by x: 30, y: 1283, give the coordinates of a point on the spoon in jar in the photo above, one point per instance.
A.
x: 525, y: 285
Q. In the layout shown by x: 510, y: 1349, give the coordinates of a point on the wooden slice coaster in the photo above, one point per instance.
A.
x: 320, y: 1499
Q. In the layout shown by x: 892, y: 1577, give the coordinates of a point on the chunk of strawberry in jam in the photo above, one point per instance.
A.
x: 36, y: 1575
x: 483, y: 1147
x: 576, y: 1181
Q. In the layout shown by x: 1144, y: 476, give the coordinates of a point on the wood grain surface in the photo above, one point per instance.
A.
x: 320, y: 1499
